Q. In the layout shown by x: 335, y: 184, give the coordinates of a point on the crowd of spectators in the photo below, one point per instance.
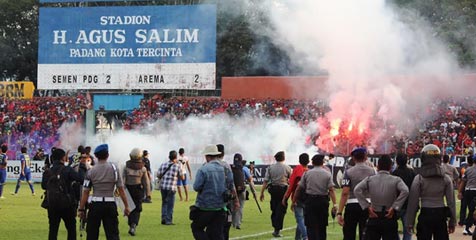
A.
x: 452, y: 124
x: 35, y: 123
x: 180, y: 108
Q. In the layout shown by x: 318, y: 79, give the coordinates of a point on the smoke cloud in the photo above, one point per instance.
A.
x: 381, y: 63
x: 256, y: 139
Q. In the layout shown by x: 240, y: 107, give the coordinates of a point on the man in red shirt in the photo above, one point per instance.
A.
x: 298, y: 209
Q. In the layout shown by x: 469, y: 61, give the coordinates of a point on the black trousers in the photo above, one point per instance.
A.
x: 353, y: 216
x: 105, y: 212
x: 463, y: 208
x: 227, y: 224
x: 136, y: 192
x: 278, y: 211
x: 382, y: 228
x: 208, y: 225
x: 69, y: 218
x: 316, y: 215
x: 470, y: 196
x: 432, y: 223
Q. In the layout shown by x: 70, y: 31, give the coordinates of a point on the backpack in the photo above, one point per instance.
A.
x: 238, y: 178
x: 57, y: 193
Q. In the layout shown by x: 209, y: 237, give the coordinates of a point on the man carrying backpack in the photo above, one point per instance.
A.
x: 239, y: 177
x: 61, y: 204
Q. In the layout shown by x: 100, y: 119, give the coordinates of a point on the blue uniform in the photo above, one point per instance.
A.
x: 3, y: 171
x: 26, y: 173
x: 24, y: 158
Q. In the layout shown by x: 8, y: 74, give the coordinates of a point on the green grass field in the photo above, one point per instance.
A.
x: 21, y: 217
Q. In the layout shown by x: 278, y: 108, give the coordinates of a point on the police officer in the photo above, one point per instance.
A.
x: 468, y: 187
x: 103, y: 178
x: 277, y: 181
x: 58, y: 157
x: 319, y: 186
x: 387, y: 196
x: 430, y: 187
x: 450, y: 170
x: 136, y: 181
x: 213, y: 182
x: 25, y: 174
x: 354, y: 214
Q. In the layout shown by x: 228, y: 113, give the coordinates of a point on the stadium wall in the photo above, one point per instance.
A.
x: 274, y: 87
x: 298, y: 87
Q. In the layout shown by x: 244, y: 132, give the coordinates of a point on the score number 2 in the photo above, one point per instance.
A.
x: 196, y: 77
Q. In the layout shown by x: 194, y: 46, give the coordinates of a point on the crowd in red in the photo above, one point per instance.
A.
x: 35, y: 123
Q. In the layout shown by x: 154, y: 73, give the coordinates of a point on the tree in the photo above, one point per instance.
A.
x: 19, y: 39
x: 453, y: 21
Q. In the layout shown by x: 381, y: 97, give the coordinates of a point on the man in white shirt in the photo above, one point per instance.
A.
x: 183, y: 182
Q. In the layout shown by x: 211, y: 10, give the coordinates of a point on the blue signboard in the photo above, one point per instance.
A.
x: 156, y: 42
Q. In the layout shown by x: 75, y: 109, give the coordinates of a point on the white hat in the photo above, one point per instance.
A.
x: 211, y: 150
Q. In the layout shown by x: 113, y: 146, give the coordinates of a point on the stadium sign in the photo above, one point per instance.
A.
x: 20, y: 90
x: 139, y: 47
x: 14, y: 170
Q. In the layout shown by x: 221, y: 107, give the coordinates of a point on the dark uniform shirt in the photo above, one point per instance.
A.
x: 278, y: 174
x: 385, y: 191
x: 430, y: 191
x: 354, y: 176
x: 317, y: 181
x: 102, y: 178
x: 469, y: 177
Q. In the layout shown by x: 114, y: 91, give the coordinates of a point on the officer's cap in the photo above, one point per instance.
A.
x: 358, y: 150
x: 431, y: 149
x: 101, y: 148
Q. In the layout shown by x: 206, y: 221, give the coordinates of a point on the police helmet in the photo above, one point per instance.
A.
x: 430, y: 153
x: 136, y: 153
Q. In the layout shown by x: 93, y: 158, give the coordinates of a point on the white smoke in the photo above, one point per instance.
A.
x: 256, y: 139
x: 380, y: 63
